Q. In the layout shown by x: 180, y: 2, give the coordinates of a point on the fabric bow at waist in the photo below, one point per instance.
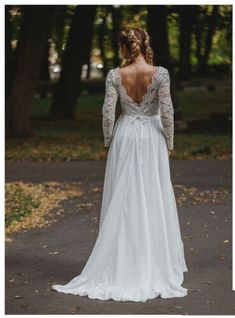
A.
x: 141, y: 120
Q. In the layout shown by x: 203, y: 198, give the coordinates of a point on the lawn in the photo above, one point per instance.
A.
x: 82, y: 138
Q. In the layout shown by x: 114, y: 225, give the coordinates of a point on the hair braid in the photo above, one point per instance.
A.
x: 136, y: 41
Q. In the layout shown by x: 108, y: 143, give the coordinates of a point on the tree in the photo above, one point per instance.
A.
x: 44, y: 74
x: 116, y: 18
x: 101, y: 32
x: 37, y: 21
x: 187, y: 14
x: 8, y: 49
x: 75, y: 55
x: 8, y: 63
x: 157, y: 28
x: 204, y: 30
x: 210, y: 26
x: 62, y: 17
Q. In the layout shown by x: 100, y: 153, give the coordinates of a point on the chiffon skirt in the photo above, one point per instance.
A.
x: 139, y: 253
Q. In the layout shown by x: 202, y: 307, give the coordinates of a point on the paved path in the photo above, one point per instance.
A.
x: 35, y: 268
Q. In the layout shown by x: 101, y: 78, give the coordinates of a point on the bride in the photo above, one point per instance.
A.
x: 139, y: 253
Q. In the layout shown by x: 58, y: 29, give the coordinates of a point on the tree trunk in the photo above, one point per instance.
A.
x: 88, y: 72
x: 157, y: 28
x: 8, y: 65
x: 36, y: 24
x: 198, y: 35
x: 75, y: 55
x: 8, y: 49
x: 58, y: 31
x: 212, y: 20
x: 116, y: 18
x: 104, y: 14
x: 44, y: 76
x: 187, y: 18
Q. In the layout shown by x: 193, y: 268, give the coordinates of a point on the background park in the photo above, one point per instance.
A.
x: 56, y: 61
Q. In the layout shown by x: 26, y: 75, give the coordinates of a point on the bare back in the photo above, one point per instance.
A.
x: 136, y: 79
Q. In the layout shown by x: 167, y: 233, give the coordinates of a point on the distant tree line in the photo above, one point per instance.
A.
x: 76, y: 30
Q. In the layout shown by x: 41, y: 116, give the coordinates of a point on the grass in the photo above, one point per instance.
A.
x: 30, y: 205
x: 82, y: 138
x: 22, y: 205
x: 199, y: 105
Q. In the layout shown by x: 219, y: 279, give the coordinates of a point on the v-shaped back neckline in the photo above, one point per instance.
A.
x: 147, y: 89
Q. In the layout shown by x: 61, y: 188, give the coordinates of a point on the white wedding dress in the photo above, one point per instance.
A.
x: 139, y: 253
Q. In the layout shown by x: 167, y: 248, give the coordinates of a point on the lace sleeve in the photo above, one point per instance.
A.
x: 166, y: 109
x: 109, y: 107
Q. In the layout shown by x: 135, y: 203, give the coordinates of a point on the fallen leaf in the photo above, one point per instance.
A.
x: 18, y: 296
x: 178, y: 307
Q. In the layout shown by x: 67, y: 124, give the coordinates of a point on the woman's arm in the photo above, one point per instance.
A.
x: 109, y: 107
x: 166, y: 109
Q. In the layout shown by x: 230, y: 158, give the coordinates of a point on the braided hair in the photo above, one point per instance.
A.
x: 136, y: 41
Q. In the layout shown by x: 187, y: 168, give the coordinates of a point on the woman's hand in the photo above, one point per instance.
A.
x: 169, y: 152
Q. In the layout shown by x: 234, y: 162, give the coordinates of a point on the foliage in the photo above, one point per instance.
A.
x: 28, y: 205
x: 21, y: 204
x: 133, y: 16
x: 196, y: 196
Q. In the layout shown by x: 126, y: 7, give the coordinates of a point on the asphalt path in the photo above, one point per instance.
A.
x: 55, y: 254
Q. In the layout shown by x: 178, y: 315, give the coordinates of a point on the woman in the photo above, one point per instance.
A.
x: 138, y: 254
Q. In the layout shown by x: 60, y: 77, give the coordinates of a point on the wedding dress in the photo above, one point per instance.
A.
x: 139, y: 253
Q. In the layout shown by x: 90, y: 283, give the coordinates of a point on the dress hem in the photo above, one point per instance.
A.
x: 119, y: 293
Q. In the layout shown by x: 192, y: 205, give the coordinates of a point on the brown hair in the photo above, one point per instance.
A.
x: 136, y: 40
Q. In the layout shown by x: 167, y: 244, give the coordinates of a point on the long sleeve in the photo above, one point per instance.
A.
x: 166, y: 109
x: 109, y: 107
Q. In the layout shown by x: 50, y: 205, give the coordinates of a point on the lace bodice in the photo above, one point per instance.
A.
x: 156, y: 100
